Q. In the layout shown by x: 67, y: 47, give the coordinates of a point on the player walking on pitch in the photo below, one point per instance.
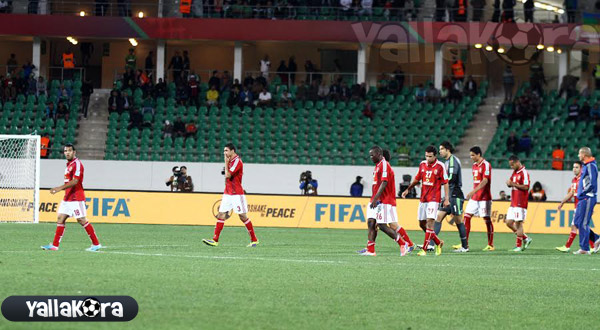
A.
x: 433, y: 175
x: 572, y: 194
x: 519, y: 198
x: 587, y: 190
x: 73, y: 204
x: 480, y: 199
x: 381, y: 209
x: 233, y: 197
x: 453, y: 170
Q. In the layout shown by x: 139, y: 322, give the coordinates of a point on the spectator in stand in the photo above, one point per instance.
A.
x: 62, y: 111
x: 558, y: 158
x: 537, y: 77
x: 286, y: 100
x: 246, y: 98
x: 346, y: 8
x: 596, y: 74
x: 186, y: 65
x: 525, y: 143
x: 182, y: 94
x: 50, y: 110
x: 444, y: 94
x: 212, y: 96
x: 595, y: 111
x: 12, y: 64
x: 584, y: 113
x: 399, y: 77
x: 432, y: 95
x: 313, y: 91
x: 178, y: 128
x: 190, y: 129
x: 148, y: 105
x: 136, y: 119
x: 568, y: 86
x: 537, y: 194
x: 292, y: 68
x: 528, y: 7
x: 456, y: 92
x: 265, y: 66
x: 115, y: 102
x: 176, y: 65
x: 345, y: 92
x: 31, y: 85
x: 461, y: 13
x: 86, y: 91
x: 28, y: 69
x: 264, y: 98
x: 149, y: 64
x: 504, y: 196
x: 5, y: 7
x: 323, y: 91
x: 234, y: 97
x: 420, y: 93
x: 356, y: 189
x: 478, y: 9
x: 41, y: 86
x: 335, y: 90
x: 458, y: 69
x: 504, y: 112
x: 512, y: 143
x: 366, y: 8
x: 496, y: 13
x: 215, y: 80
x: 248, y: 81
x: 127, y: 101
x: 64, y: 93
x: 471, y: 87
x: 236, y: 84
x: 160, y: 90
x: 168, y: 129
x: 571, y: 9
x: 301, y: 91
x: 131, y: 60
x: 45, y: 145
x: 573, y: 110
x: 508, y: 14
x: 194, y: 91
x: 440, y: 10
x: 282, y: 71
x: 368, y: 110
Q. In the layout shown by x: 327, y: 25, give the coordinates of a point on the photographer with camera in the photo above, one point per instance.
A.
x: 185, y: 181
x: 308, y: 185
x: 173, y: 181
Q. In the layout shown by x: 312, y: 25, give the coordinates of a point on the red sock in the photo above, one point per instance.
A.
x: 248, y: 224
x: 525, y: 236
x: 490, y: 230
x: 60, y: 230
x: 572, y: 236
x: 591, y: 244
x: 399, y: 240
x: 520, y: 241
x: 468, y: 224
x: 91, y: 233
x: 371, y: 246
x: 428, y: 234
x: 434, y: 237
x: 404, y: 235
x: 218, y: 228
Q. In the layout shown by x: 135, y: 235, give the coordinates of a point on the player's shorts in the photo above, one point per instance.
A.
x: 428, y: 210
x: 455, y: 207
x: 236, y: 202
x: 516, y: 213
x: 383, y: 213
x: 73, y: 209
x: 479, y: 208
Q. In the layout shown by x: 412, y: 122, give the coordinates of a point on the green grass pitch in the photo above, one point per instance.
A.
x: 302, y: 279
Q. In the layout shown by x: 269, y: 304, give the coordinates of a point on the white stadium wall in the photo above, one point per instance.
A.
x: 265, y: 178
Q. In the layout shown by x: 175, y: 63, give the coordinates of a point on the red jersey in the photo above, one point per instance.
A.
x: 433, y: 176
x: 573, y: 188
x: 233, y: 185
x: 520, y: 198
x: 74, y: 171
x: 482, y: 171
x: 383, y: 172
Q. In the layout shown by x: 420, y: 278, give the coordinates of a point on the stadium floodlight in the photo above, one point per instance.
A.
x: 478, y: 46
x: 82, y: 13
x: 19, y: 178
x: 559, y: 51
x: 141, y: 14
x: 501, y: 50
x: 540, y: 47
x: 489, y: 48
x: 550, y: 49
x: 133, y: 42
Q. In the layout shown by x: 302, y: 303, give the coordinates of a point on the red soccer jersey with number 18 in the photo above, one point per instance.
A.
x: 574, y: 184
x: 518, y: 197
x: 73, y: 171
x: 233, y: 185
x: 482, y: 170
x: 433, y: 177
x: 383, y: 172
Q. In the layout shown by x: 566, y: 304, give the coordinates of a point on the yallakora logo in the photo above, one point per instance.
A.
x: 89, y: 307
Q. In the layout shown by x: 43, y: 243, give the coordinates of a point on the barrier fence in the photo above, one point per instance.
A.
x: 280, y: 211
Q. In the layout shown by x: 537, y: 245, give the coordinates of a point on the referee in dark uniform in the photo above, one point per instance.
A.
x: 457, y: 198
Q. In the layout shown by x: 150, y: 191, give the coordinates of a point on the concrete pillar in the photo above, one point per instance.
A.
x: 438, y: 74
x: 563, y: 66
x: 37, y: 54
x: 238, y: 61
x: 160, y: 60
x: 363, y: 55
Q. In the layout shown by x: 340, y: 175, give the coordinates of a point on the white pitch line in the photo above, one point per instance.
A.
x: 223, y: 257
x: 139, y: 246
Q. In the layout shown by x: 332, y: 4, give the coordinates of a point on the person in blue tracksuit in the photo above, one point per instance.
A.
x: 586, y: 193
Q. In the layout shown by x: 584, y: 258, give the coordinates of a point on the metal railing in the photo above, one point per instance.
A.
x: 61, y: 73
x: 228, y: 10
